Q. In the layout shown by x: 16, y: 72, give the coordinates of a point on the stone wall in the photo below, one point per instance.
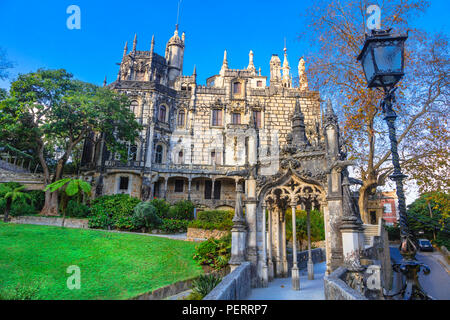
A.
x: 235, y: 286
x: 47, y: 221
x: 336, y: 288
x: 196, y: 234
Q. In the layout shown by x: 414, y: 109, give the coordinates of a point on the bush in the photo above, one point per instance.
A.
x: 182, y: 210
x: 204, y: 285
x: 223, y: 226
x: 173, y: 226
x: 145, y: 216
x: 213, y: 220
x: 19, y: 208
x: 393, y: 232
x: 214, y: 253
x: 37, y: 199
x: 113, y: 210
x: 77, y: 210
x: 162, y: 207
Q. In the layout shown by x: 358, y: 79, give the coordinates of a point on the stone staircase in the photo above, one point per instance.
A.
x: 6, y: 166
x: 32, y: 181
x: 371, y: 231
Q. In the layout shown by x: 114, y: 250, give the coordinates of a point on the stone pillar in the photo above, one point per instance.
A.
x: 295, y: 272
x: 278, y: 244
x: 238, y: 233
x: 212, y: 189
x: 269, y: 245
x: 166, y: 179
x: 250, y: 213
x: 265, y: 269
x: 283, y: 245
x: 310, y: 263
x: 189, y: 188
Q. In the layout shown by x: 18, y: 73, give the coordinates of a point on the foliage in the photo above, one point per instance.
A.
x: 205, y: 284
x: 213, y: 220
x: 183, y: 209
x: 317, y: 225
x: 5, y: 64
x: 76, y: 209
x: 71, y: 186
x: 117, y: 266
x: 22, y: 292
x: 162, y: 207
x: 223, y: 226
x: 431, y: 217
x: 393, y: 232
x: 336, y: 30
x: 115, y: 211
x: 37, y: 199
x: 173, y: 226
x: 193, y: 296
x: 14, y: 194
x: 145, y: 216
x: 48, y: 107
x: 214, y: 253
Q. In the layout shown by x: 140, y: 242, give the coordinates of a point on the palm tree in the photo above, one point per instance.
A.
x: 11, y: 195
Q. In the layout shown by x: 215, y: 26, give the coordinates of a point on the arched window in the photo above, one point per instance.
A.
x: 180, y: 120
x: 134, y: 106
x: 237, y: 86
x: 162, y: 114
x: 180, y: 157
x: 159, y: 154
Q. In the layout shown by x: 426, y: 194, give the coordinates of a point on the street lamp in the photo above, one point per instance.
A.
x: 383, y: 61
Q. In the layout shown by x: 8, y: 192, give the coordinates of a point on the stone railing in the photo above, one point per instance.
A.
x: 235, y: 286
x: 317, y: 255
x: 337, y: 289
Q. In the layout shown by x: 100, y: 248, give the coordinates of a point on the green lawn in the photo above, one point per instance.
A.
x: 113, y: 265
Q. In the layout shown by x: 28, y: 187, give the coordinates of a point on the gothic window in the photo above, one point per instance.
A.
x: 237, y: 87
x: 134, y: 107
x: 257, y: 118
x: 236, y: 118
x: 159, y: 154
x: 216, y: 117
x: 162, y: 114
x: 123, y: 183
x: 179, y: 184
x: 180, y: 120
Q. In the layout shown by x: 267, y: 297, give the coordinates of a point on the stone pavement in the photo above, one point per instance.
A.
x: 281, y: 288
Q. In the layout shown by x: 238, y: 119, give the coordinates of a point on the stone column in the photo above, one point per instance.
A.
x: 189, y: 188
x: 269, y: 245
x: 283, y: 245
x: 212, y: 189
x: 278, y: 244
x: 310, y: 263
x: 166, y: 179
x: 265, y: 271
x: 295, y: 272
x: 250, y: 214
x: 238, y: 232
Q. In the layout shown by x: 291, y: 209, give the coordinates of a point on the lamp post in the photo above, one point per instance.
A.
x: 382, y: 59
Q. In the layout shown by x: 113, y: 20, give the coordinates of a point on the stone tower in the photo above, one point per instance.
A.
x: 174, y: 55
x: 275, y: 70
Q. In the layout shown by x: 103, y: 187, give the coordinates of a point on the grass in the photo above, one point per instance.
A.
x: 113, y: 265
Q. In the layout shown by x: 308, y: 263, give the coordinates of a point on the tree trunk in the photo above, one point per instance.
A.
x: 363, y: 199
x: 7, y: 209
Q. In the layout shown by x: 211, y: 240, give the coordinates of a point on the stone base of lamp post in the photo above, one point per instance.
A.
x: 295, y: 279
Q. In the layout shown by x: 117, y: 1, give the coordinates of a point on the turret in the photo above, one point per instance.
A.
x: 298, y: 127
x: 224, y: 64
x: 275, y: 70
x: 286, y: 69
x: 134, y: 43
x: 302, y: 78
x: 174, y: 55
x: 251, y: 66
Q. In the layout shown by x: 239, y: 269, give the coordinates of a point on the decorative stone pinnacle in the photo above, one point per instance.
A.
x: 134, y: 42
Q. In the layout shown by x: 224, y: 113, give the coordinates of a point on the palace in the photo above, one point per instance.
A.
x: 195, y: 134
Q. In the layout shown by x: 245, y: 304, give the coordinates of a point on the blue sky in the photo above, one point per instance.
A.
x: 34, y: 33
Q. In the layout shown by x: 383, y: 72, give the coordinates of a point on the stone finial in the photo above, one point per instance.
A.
x: 298, y: 127
x: 302, y: 78
x: 183, y: 37
x: 224, y: 63
x: 134, y: 42
x: 286, y: 69
x: 152, y: 46
x: 251, y: 66
x: 194, y: 73
x: 330, y: 110
x: 125, y: 49
x: 259, y: 71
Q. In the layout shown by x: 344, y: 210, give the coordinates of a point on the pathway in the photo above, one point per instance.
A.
x: 281, y: 288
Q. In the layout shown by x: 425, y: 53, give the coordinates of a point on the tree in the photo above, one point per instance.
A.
x: 11, y: 194
x: 5, y: 64
x: 336, y: 30
x: 71, y: 188
x: 58, y: 113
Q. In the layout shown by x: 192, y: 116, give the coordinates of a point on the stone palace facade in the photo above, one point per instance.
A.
x: 195, y: 134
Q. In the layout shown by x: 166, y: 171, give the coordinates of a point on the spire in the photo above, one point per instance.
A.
x: 134, y: 42
x: 259, y: 71
x: 152, y: 46
x: 125, y: 49
x: 298, y: 127
x: 195, y: 71
x: 330, y: 110
x: 286, y: 77
x: 251, y: 66
x: 329, y: 118
x: 224, y: 63
x: 104, y: 82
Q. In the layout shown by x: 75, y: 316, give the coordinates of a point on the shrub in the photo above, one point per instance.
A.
x: 77, y: 210
x: 182, y: 210
x: 113, y: 210
x: 145, y: 216
x: 162, y: 207
x: 223, y: 226
x: 393, y: 232
x: 173, y: 226
x: 37, y: 199
x: 215, y: 216
x: 20, y: 208
x: 214, y: 253
x: 204, y: 285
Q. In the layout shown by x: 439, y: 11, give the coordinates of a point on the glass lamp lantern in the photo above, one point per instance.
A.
x: 383, y: 59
